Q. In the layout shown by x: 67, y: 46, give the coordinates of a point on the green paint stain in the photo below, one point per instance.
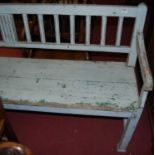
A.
x: 132, y: 106
x: 42, y: 101
x: 107, y: 104
x: 102, y: 103
x: 133, y: 103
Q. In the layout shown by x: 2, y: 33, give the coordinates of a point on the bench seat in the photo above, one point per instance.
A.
x: 108, y: 86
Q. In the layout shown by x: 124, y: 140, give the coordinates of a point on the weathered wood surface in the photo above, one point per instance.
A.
x: 9, y: 29
x: 109, y: 86
x: 70, y: 9
x: 144, y: 65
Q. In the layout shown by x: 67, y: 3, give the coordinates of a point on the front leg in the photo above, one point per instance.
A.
x: 129, y: 129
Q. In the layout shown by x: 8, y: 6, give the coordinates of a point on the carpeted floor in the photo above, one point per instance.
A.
x: 49, y: 134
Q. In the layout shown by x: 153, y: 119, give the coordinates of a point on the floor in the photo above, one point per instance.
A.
x: 48, y: 134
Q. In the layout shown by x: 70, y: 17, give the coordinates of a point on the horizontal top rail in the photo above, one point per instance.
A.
x: 70, y: 9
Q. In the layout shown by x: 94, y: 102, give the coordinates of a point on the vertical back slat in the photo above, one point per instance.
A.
x: 57, y: 29
x: 41, y: 28
x: 103, y: 30
x: 3, y: 29
x: 6, y: 18
x: 119, y: 31
x: 88, y: 22
x: 8, y: 28
x: 12, y: 28
x: 72, y: 29
x: 26, y: 26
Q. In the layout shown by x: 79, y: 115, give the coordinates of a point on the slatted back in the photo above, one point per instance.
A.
x: 9, y: 30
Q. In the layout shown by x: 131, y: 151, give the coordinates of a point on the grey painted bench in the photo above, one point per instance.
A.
x: 75, y: 87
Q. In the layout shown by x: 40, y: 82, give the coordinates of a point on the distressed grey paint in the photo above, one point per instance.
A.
x: 144, y: 65
x: 70, y: 9
x: 88, y: 112
x: 75, y: 87
x: 89, y: 84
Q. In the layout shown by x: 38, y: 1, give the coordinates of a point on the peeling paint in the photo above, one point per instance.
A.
x: 63, y: 85
x: 105, y: 106
x: 72, y: 86
x: 103, y: 103
x: 132, y: 106
x: 42, y: 101
x: 37, y: 80
x: 113, y: 98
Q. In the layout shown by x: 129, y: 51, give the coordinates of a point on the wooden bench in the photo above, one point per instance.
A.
x: 75, y: 87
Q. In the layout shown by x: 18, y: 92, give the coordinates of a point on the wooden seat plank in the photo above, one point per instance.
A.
x: 68, y: 84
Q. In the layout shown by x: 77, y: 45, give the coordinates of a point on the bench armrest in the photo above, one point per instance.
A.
x: 144, y: 65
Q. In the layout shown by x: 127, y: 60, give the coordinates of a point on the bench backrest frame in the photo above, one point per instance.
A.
x: 9, y: 32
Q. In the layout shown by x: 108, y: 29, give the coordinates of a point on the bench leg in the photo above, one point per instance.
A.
x: 125, y: 122
x: 129, y: 129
